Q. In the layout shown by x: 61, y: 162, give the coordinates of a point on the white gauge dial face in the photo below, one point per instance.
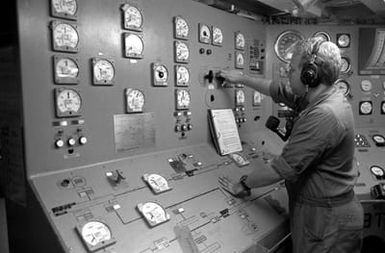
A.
x: 66, y: 68
x: 132, y: 17
x: 343, y: 86
x: 68, y: 101
x: 257, y: 98
x: 134, y: 45
x: 95, y: 232
x: 343, y: 40
x: 181, y: 28
x: 65, y: 35
x: 324, y: 36
x: 204, y: 34
x: 345, y: 65
x: 239, y: 41
x: 161, y: 73
x: 154, y: 213
x: 157, y: 182
x: 383, y: 107
x: 182, y: 51
x: 284, y: 45
x: 135, y: 100
x: 217, y: 36
x: 182, y: 75
x: 377, y: 171
x: 239, y: 97
x: 240, y: 60
x: 183, y: 99
x: 68, y: 7
x: 366, y: 85
x: 379, y: 139
x: 104, y: 71
x: 366, y: 107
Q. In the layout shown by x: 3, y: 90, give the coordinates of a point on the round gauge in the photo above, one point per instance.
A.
x: 134, y: 100
x: 134, y: 45
x: 239, y: 60
x: 345, y: 65
x: 181, y: 28
x: 284, y: 45
x: 366, y: 107
x: 182, y: 76
x: 65, y: 7
x: 68, y: 102
x: 133, y: 18
x: 183, y: 99
x: 324, y: 36
x: 343, y: 40
x: 65, y: 37
x: 379, y: 140
x: 239, y: 97
x: 156, y: 182
x: 104, y: 71
x: 154, y: 213
x: 366, y: 85
x: 383, y: 107
x: 377, y: 171
x: 204, y: 34
x: 343, y: 86
x: 95, y: 232
x: 217, y: 36
x: 66, y: 69
x: 240, y: 42
x: 181, y: 52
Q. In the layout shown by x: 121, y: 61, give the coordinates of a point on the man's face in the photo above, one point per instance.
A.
x: 296, y: 84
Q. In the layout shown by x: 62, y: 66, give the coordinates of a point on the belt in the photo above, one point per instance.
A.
x: 334, y: 201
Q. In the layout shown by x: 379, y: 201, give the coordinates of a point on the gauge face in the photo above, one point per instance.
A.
x: 377, y: 171
x: 239, y: 60
x: 239, y: 97
x: 240, y: 42
x: 324, y: 36
x: 66, y: 70
x: 366, y: 85
x: 68, y: 102
x: 284, y: 45
x: 183, y: 99
x: 134, y: 45
x: 181, y: 28
x: 65, y: 37
x: 204, y: 34
x: 154, y: 213
x: 134, y: 100
x: 132, y: 17
x: 345, y: 65
x: 343, y: 40
x: 95, y: 232
x: 157, y: 183
x: 379, y: 139
x: 160, y: 75
x: 383, y: 107
x: 64, y: 8
x: 182, y: 75
x: 181, y: 52
x: 366, y: 107
x: 103, y: 71
x: 257, y: 98
x: 217, y: 36
x: 343, y: 86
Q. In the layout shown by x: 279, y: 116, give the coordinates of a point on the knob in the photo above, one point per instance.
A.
x: 83, y: 140
x: 210, y: 76
x: 59, y: 143
x: 71, y: 141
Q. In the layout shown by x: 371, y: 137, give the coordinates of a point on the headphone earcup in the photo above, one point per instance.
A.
x: 309, y: 75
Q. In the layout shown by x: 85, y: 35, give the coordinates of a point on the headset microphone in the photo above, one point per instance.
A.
x: 272, y: 123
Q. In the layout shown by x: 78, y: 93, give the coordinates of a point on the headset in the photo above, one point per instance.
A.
x: 310, y: 72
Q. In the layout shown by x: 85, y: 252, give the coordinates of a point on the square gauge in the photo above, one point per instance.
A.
x: 132, y: 17
x: 204, y: 33
x: 343, y: 40
x: 239, y: 97
x: 365, y: 107
x: 181, y: 28
x: 239, y: 41
x: 65, y: 70
x: 95, y: 235
x: 257, y: 98
x: 64, y: 9
x: 217, y: 37
x: 182, y: 99
x: 181, y: 51
x: 239, y: 60
x: 65, y: 36
x: 182, y: 75
x: 68, y: 102
x: 383, y: 107
x: 159, y: 75
x: 133, y: 45
x: 103, y: 71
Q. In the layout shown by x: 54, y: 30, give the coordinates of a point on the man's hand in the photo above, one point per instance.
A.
x: 230, y: 76
x: 234, y: 188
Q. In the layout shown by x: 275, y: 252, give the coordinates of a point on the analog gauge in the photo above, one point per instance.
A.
x: 157, y: 183
x: 154, y: 213
x: 183, y: 99
x: 204, y: 34
x: 345, y: 65
x: 182, y: 75
x: 66, y: 70
x: 134, y: 100
x: 239, y: 97
x: 377, y: 171
x: 257, y: 98
x: 134, y: 45
x: 160, y: 74
x: 68, y: 102
x: 379, y: 140
x: 182, y: 52
x: 383, y: 85
x: 239, y: 60
x: 343, y: 40
x: 103, y: 72
x: 366, y: 107
x: 64, y: 8
x: 132, y: 18
x: 65, y: 37
x: 284, y: 45
x: 366, y: 85
x: 217, y: 36
x: 324, y: 36
x: 383, y: 107
x: 343, y: 86
x: 181, y: 28
x: 240, y: 42
x: 95, y: 235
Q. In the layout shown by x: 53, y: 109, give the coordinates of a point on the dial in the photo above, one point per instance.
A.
x: 366, y: 107
x: 239, y: 60
x: 181, y: 28
x: 366, y: 85
x: 240, y: 42
x: 324, y: 36
x: 181, y: 52
x: 345, y: 65
x: 134, y: 100
x: 217, y: 36
x: 154, y: 213
x: 65, y: 37
x: 157, y: 183
x: 64, y: 8
x: 68, y: 102
x: 343, y: 86
x: 132, y: 17
x: 160, y: 75
x: 204, y: 34
x: 134, y: 45
x: 66, y: 70
x: 257, y: 98
x: 379, y: 140
x: 343, y: 40
x: 239, y: 97
x: 377, y: 171
x: 95, y: 232
x: 182, y: 75
x: 103, y: 71
x: 284, y: 45
x: 183, y: 99
x: 383, y: 107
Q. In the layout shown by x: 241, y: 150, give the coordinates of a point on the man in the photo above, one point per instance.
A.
x: 317, y: 160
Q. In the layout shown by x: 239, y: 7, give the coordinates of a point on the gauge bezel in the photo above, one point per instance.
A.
x: 65, y: 80
x: 257, y: 98
x: 100, y: 82
x: 280, y: 38
x: 124, y: 13
x: 181, y: 84
x: 61, y: 114
x: 201, y: 38
x: 349, y: 65
x: 323, y: 34
x: 347, y: 85
x: 100, y: 245
x: 374, y: 173
x: 177, y: 105
x: 179, y: 36
x: 366, y: 85
x: 236, y: 101
x: 236, y: 46
x: 338, y: 38
x: 154, y: 188
x: 134, y: 110
x: 215, y: 43
x: 153, y: 223
x: 177, y: 59
x: 155, y: 81
x: 361, y: 103
x: 55, y: 13
x: 236, y: 64
x: 382, y: 107
x: 133, y: 55
x: 55, y: 46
